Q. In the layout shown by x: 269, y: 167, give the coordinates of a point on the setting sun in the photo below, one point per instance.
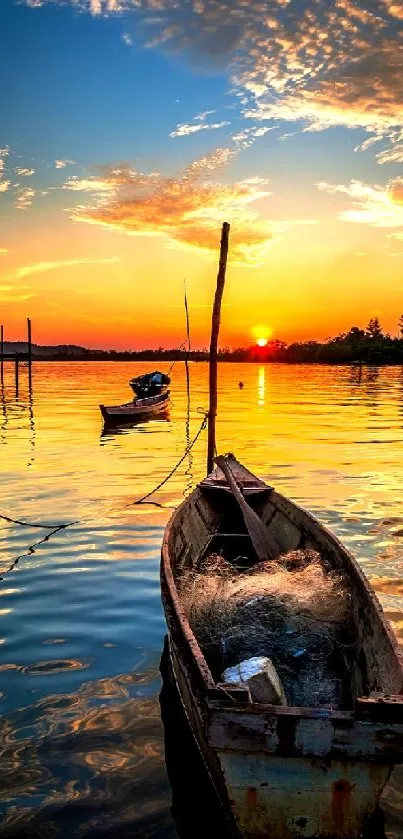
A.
x: 261, y: 334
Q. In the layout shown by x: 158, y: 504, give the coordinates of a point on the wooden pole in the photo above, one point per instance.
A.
x: 2, y: 351
x: 215, y: 328
x: 16, y: 375
x: 29, y: 353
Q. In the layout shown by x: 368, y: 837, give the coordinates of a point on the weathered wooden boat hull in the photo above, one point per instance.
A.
x: 132, y: 412
x: 287, y: 772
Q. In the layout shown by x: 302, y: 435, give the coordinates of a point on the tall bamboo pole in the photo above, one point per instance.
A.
x: 215, y: 328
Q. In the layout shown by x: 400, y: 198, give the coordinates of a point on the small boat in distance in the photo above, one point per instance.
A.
x: 280, y: 770
x: 150, y: 384
x: 138, y: 409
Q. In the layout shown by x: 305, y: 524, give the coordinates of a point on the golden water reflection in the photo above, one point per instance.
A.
x: 261, y: 387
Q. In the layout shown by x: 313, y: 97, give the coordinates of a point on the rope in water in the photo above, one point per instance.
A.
x: 56, y: 528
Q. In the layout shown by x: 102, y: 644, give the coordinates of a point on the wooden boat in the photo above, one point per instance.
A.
x: 150, y: 384
x: 284, y: 772
x: 135, y: 410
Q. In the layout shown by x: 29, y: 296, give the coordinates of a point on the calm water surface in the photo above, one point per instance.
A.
x: 81, y: 623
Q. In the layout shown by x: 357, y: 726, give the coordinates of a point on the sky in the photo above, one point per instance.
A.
x: 131, y: 129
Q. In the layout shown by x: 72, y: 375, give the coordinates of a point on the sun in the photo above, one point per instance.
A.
x: 261, y: 334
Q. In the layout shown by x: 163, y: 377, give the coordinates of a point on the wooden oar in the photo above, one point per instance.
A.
x: 265, y: 546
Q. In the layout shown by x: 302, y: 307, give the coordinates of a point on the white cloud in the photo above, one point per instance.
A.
x: 375, y: 205
x: 184, y: 130
x: 61, y: 164
x: 4, y: 152
x: 244, y: 139
x: 127, y: 39
x: 24, y: 198
x: 24, y: 173
x: 4, y: 186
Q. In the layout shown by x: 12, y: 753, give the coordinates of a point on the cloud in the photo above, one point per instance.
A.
x: 375, y: 205
x: 184, y: 129
x: 41, y: 267
x: 329, y: 63
x: 391, y: 155
x: 4, y: 185
x: 61, y: 164
x: 4, y: 152
x: 24, y: 198
x: 187, y: 209
x: 127, y: 39
x: 244, y: 139
x: 4, y: 251
x: 24, y: 173
x: 89, y: 184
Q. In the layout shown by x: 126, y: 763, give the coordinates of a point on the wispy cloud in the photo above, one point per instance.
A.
x: 41, y: 267
x: 4, y: 152
x: 127, y: 39
x: 4, y: 186
x: 199, y: 124
x: 24, y: 173
x: 185, y: 129
x: 24, y: 198
x: 4, y: 251
x: 244, y: 139
x: 76, y: 184
x: 371, y: 204
x: 12, y: 293
x: 187, y: 209
x: 61, y: 164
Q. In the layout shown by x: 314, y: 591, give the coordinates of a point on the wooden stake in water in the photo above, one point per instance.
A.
x: 29, y: 353
x: 1, y: 351
x: 215, y: 328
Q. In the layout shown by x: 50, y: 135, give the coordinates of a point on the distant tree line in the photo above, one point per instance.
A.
x: 368, y: 346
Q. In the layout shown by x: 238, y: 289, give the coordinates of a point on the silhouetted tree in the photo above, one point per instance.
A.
x: 374, y: 328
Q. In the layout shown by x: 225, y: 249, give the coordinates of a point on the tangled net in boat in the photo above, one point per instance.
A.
x: 290, y: 610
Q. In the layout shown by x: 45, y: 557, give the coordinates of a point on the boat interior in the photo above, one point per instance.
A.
x: 210, y: 522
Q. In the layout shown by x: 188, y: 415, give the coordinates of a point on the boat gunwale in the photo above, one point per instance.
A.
x: 211, y: 686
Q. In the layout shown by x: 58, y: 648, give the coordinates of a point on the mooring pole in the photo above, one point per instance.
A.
x: 215, y: 328
x: 16, y: 375
x: 29, y: 353
x: 1, y: 351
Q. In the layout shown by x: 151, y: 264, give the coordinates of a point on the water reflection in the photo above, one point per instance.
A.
x: 15, y: 409
x: 91, y: 596
x: 4, y: 418
x: 261, y: 385
x: 88, y: 764
x: 32, y: 438
x: 139, y: 426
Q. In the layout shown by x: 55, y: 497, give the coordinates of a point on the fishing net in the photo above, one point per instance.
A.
x: 290, y: 610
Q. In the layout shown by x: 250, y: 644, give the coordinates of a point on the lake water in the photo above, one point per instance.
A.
x: 81, y: 623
